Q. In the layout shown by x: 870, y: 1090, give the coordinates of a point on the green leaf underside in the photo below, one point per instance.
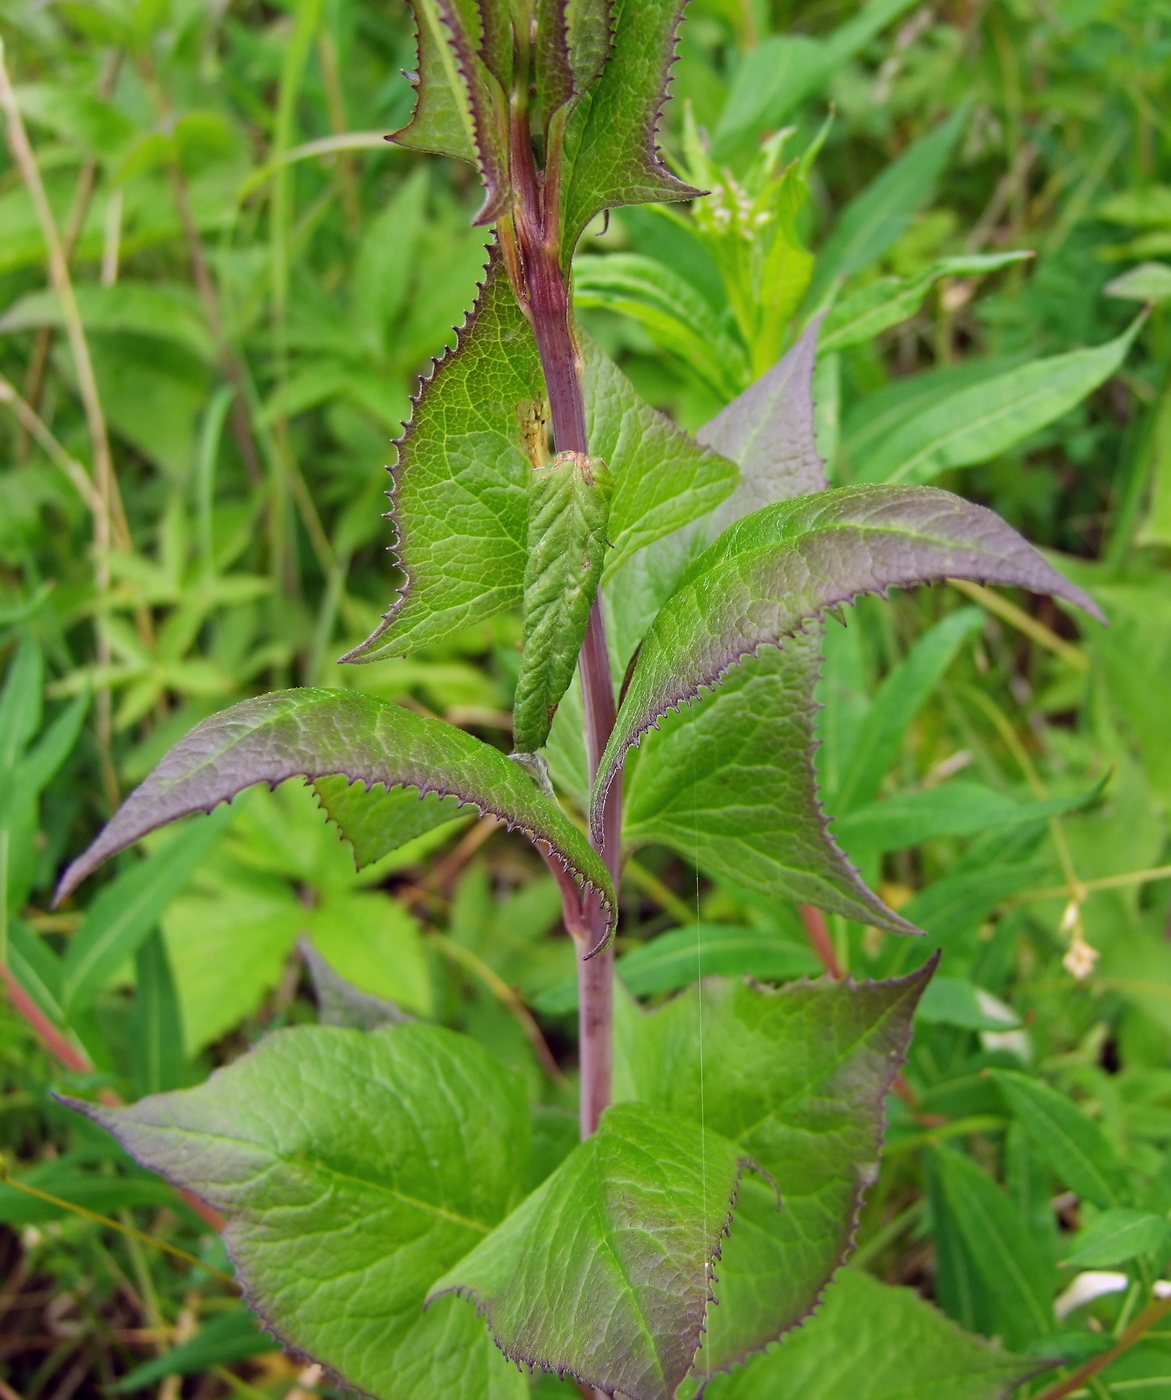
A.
x: 729, y: 783
x: 605, y: 1270
x: 796, y: 1079
x: 611, y: 142
x: 459, y: 501
x: 869, y: 1341
x: 319, y: 733
x: 569, y: 512
x: 777, y: 569
x: 354, y: 1169
x: 379, y: 820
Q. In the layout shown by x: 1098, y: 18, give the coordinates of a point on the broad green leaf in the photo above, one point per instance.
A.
x: 684, y: 955
x: 869, y: 1341
x: 459, y: 497
x: 877, y: 218
x: 396, y: 1154
x: 605, y: 1270
x: 980, y: 422
x: 1074, y: 1145
x: 611, y: 142
x: 728, y: 781
x: 1016, y: 1282
x: 569, y: 514
x: 953, y: 809
x: 954, y: 1001
x: 318, y: 733
x: 773, y: 571
x: 233, y: 1336
x: 902, y: 693
x: 889, y: 300
x: 781, y: 72
x: 156, y: 1026
x: 796, y: 1079
x: 378, y: 820
x: 1117, y: 1236
x: 662, y: 477
x: 679, y: 318
x: 126, y: 910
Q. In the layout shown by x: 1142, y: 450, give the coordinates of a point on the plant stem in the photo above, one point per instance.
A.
x: 1152, y: 1313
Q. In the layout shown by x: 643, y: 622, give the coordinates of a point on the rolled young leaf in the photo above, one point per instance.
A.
x: 605, y: 1270
x: 569, y: 513
x: 353, y: 1168
x: 317, y: 733
x: 782, y: 566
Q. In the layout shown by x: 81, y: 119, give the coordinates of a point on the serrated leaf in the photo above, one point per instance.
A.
x: 605, y: 1270
x: 1072, y: 1143
x: 378, y: 820
x: 776, y: 569
x: 459, y: 494
x: 458, y: 103
x: 729, y: 783
x: 870, y: 1341
x: 1014, y: 1281
x: 317, y: 733
x: 796, y: 1079
x: 1117, y: 1236
x: 573, y: 43
x: 977, y: 423
x: 346, y: 1196
x: 611, y: 143
x: 568, y: 531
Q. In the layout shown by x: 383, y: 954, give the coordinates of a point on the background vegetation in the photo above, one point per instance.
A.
x: 190, y: 493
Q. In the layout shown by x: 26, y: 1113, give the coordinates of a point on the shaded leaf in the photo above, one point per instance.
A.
x: 233, y: 1336
x: 353, y: 1170
x: 573, y: 43
x: 796, y: 1079
x: 315, y: 733
x: 156, y: 1027
x: 605, y: 1270
x: 869, y: 1341
x: 1072, y: 1143
x: 776, y: 569
x: 340, y: 1003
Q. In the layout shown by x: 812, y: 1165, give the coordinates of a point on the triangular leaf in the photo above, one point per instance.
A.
x: 782, y: 566
x: 611, y: 144
x: 605, y: 1270
x: 353, y: 1169
x: 315, y: 733
x: 796, y: 1079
